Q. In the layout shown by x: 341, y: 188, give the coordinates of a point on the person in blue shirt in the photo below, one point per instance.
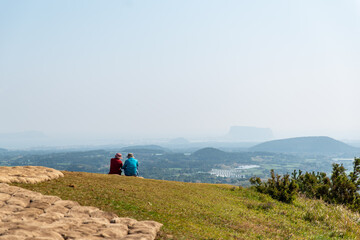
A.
x: 131, y: 166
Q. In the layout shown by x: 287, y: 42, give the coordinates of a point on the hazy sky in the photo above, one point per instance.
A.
x: 180, y: 68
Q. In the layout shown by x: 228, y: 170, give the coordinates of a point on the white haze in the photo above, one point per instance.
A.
x: 162, y: 69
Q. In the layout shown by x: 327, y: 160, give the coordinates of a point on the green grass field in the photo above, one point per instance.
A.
x: 205, y: 211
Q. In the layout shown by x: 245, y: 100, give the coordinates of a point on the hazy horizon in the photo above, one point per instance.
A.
x: 166, y: 69
x: 40, y: 140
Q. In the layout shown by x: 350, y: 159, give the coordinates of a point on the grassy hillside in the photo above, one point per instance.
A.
x: 205, y: 211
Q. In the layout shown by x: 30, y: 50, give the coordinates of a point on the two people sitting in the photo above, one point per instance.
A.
x: 130, y: 166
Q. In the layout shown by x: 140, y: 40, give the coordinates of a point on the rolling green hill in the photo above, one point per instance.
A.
x: 209, y: 153
x: 305, y: 145
x: 205, y: 211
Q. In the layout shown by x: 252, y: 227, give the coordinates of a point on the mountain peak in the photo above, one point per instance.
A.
x: 310, y: 144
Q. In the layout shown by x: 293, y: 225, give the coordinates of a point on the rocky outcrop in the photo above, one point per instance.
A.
x: 28, y: 174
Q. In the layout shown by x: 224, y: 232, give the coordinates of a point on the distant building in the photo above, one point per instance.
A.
x: 238, y: 172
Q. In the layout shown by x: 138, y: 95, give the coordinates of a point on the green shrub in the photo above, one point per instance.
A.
x: 280, y: 188
x: 313, y: 185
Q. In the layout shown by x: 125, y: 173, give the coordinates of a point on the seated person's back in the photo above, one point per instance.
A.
x: 116, y: 164
x: 131, y: 166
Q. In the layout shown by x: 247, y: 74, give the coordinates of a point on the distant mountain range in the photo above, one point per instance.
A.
x: 145, y: 148
x: 305, y: 145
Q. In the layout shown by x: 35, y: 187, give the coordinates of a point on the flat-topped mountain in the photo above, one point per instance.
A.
x: 319, y: 144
